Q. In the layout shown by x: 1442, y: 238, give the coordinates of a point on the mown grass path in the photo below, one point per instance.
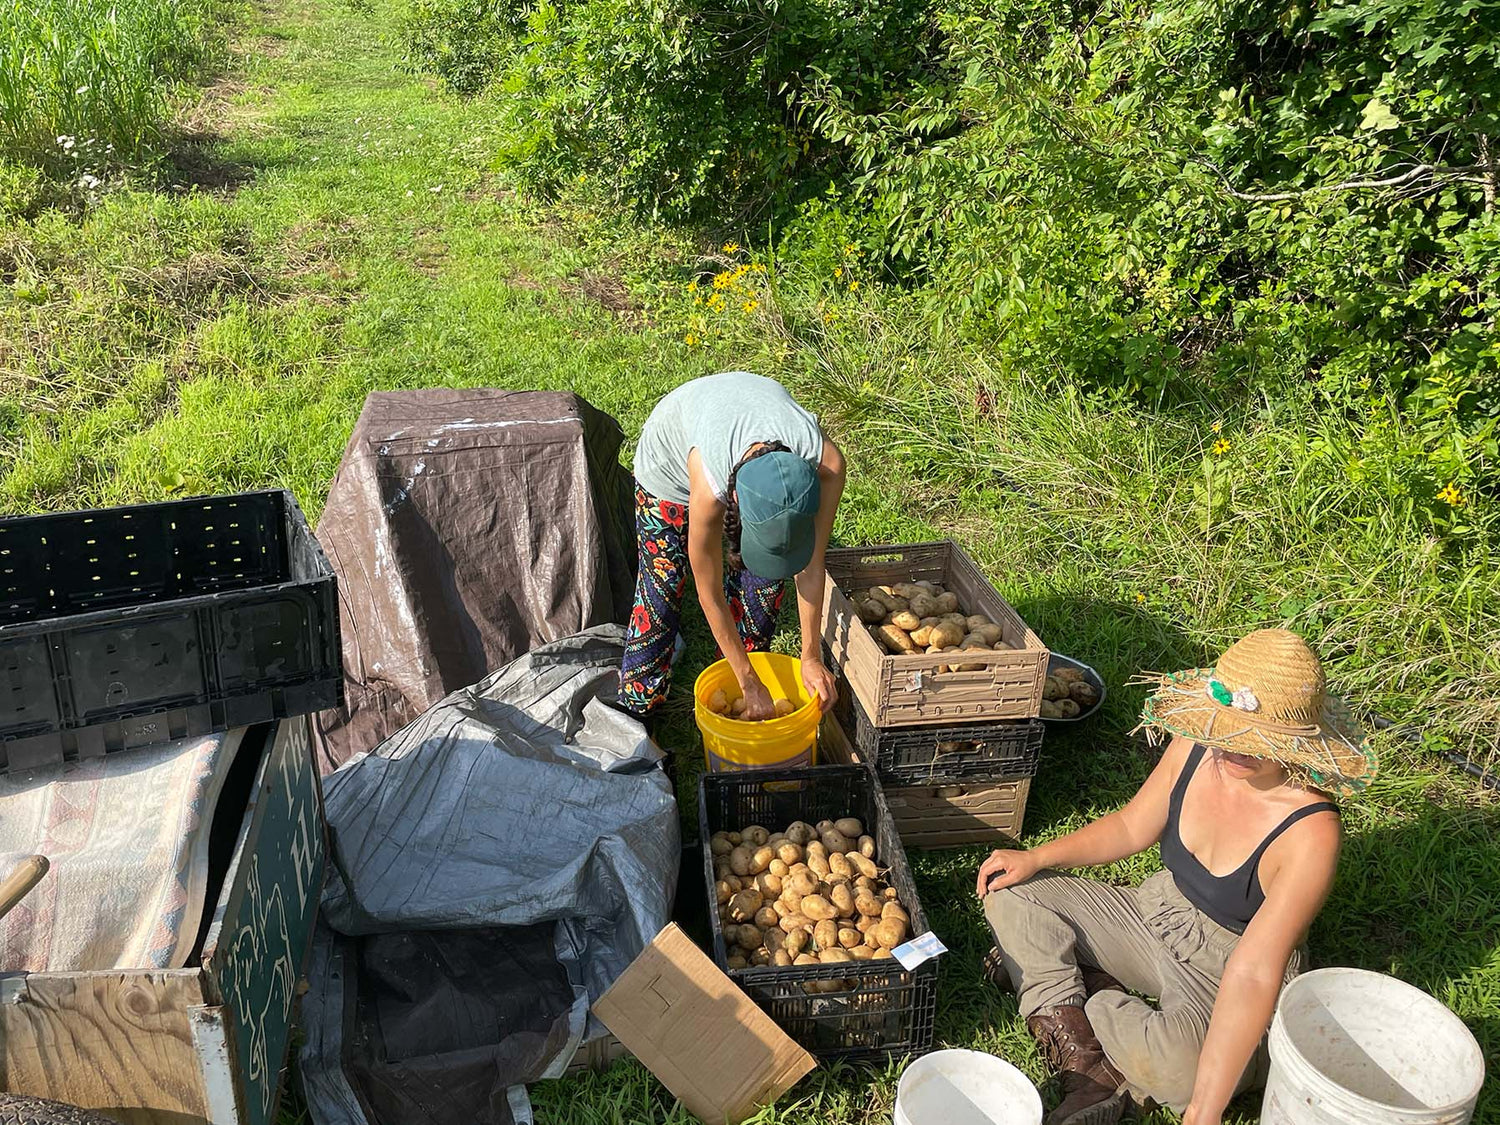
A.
x: 341, y: 235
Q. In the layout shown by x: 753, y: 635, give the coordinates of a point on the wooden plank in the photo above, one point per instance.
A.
x: 258, y: 944
x: 120, y: 1042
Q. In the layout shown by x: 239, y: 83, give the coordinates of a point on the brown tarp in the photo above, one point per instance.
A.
x: 467, y: 527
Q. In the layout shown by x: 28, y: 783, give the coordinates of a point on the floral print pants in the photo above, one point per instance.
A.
x: 655, y: 621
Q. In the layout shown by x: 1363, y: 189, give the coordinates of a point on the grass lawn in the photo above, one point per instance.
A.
x: 336, y: 231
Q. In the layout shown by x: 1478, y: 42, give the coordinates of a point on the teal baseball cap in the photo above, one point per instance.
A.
x: 778, y: 495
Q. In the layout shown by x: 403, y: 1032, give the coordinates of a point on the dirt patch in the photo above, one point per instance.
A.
x: 610, y: 292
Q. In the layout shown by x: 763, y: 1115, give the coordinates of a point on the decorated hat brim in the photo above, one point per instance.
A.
x: 1335, y: 754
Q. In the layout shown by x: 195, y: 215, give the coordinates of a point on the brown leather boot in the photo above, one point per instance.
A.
x: 1097, y: 980
x: 1091, y: 1086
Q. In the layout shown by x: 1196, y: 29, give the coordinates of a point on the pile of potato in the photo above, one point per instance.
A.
x: 809, y: 895
x: 1067, y: 694
x: 720, y: 704
x: 916, y: 617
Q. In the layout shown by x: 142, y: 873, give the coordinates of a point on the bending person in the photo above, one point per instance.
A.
x: 729, y: 459
x: 1250, y: 842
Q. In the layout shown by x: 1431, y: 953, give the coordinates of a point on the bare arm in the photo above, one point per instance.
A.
x: 1122, y: 833
x: 706, y: 557
x: 832, y: 472
x: 1302, y: 862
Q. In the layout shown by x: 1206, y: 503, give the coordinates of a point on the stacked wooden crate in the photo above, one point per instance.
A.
x: 955, y: 750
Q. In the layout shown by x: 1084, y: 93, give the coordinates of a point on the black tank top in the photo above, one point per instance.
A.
x: 1230, y: 900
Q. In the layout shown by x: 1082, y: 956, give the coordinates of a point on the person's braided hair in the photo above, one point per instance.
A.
x: 732, y: 526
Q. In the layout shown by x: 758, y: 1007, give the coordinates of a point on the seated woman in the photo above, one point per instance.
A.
x: 1250, y: 842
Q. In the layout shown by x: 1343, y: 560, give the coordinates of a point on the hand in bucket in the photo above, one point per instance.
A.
x: 758, y: 702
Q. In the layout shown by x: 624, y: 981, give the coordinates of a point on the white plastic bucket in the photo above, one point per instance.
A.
x: 965, y: 1088
x: 1350, y: 1047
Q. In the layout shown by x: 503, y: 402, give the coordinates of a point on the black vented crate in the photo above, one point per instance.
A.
x: 124, y: 627
x: 888, y: 1011
x: 1000, y: 750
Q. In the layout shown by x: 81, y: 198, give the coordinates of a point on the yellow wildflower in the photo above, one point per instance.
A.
x: 758, y: 268
x: 1217, y: 427
x: 1451, y: 496
x: 751, y: 306
x: 1139, y: 597
x: 853, y: 285
x: 1221, y: 447
x: 849, y: 248
x: 838, y: 271
x: 690, y: 340
x: 731, y: 247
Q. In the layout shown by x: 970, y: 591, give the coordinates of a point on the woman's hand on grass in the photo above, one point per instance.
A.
x: 1196, y: 1116
x: 819, y: 681
x: 758, y: 703
x: 1005, y: 869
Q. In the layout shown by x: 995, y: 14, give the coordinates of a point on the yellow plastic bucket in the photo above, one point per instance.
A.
x: 789, y: 741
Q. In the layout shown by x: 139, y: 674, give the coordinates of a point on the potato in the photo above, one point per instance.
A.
x: 895, y: 605
x: 871, y: 612
x: 761, y: 860
x: 796, y: 941
x: 736, y: 839
x: 793, y: 922
x: 818, y: 908
x: 945, y: 634
x: 722, y: 870
x: 805, y: 959
x: 1050, y: 710
x: 737, y: 708
x: 897, y: 641
x: 947, y: 603
x: 741, y: 860
x: 1068, y: 709
x: 907, y: 620
x: 802, y: 882
x: 849, y: 937
x: 755, y: 835
x: 895, y: 910
x: 868, y: 905
x: 835, y: 955
x: 789, y: 853
x: 976, y: 621
x: 783, y: 908
x: 1083, y: 693
x: 839, y: 868
x: 866, y: 884
x: 993, y: 635
x: 1068, y: 675
x: 800, y: 832
x: 849, y: 826
x: 778, y: 869
x: 907, y: 590
x: 843, y: 900
x: 882, y: 954
x: 819, y: 866
x: 921, y: 636
x: 767, y: 919
x: 816, y: 846
x: 923, y: 605
x: 889, y: 933
x: 825, y: 935
x: 862, y: 953
x: 783, y: 708
x: 749, y: 937
x: 743, y: 906
x: 867, y: 922
x: 737, y: 960
x: 889, y: 893
x: 1053, y: 688
x: 718, y: 702
x: 761, y: 956
x: 781, y: 959
x: 836, y: 843
x: 866, y: 847
x: 719, y: 843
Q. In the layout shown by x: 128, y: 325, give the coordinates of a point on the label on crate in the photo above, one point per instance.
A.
x: 918, y: 950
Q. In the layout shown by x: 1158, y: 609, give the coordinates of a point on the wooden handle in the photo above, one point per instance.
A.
x: 18, y: 883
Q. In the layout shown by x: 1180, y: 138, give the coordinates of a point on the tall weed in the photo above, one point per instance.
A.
x: 85, y: 84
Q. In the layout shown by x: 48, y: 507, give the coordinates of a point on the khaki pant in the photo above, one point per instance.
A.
x: 1150, y: 939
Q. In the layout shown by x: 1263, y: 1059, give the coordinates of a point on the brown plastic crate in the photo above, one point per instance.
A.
x: 909, y: 690
x: 949, y: 814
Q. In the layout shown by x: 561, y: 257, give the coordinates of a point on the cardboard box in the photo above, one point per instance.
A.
x: 699, y: 1034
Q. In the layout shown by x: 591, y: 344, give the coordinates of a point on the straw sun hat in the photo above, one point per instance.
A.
x: 1265, y: 697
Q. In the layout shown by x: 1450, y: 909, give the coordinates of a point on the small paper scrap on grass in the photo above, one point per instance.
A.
x: 918, y: 950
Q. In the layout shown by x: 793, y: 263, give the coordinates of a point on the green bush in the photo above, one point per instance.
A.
x: 462, y: 42
x: 84, y: 84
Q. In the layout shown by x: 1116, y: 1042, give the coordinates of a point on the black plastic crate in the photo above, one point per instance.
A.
x: 125, y: 627
x: 1000, y: 750
x: 889, y: 1011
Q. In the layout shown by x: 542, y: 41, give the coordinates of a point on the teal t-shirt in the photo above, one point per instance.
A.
x: 721, y: 416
